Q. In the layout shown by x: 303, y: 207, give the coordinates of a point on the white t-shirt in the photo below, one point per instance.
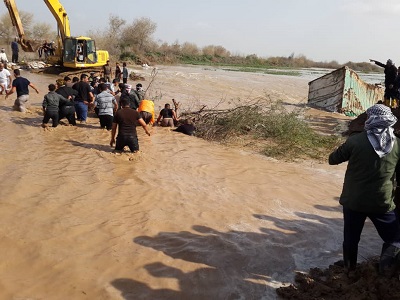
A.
x: 3, y: 57
x: 4, y: 75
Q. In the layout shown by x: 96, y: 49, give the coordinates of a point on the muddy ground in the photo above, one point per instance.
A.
x: 334, y: 283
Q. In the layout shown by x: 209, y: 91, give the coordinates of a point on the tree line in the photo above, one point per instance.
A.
x: 134, y: 41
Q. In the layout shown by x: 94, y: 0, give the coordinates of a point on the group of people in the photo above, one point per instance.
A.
x: 121, y: 74
x: 117, y: 105
x: 70, y: 97
x: 46, y: 49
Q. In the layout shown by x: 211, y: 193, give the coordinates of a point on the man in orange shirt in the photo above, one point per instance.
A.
x: 146, y: 111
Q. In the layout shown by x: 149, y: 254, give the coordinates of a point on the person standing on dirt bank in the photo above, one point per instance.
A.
x: 124, y: 73
x: 21, y: 86
x: 3, y: 57
x: 118, y: 72
x: 14, y: 50
x: 390, y: 78
x: 126, y: 120
x: 5, y: 79
x: 107, y: 72
x: 373, y: 160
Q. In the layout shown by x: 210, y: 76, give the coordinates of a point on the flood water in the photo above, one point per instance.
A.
x: 182, y: 219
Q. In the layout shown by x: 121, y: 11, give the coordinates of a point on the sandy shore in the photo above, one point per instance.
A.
x: 183, y: 219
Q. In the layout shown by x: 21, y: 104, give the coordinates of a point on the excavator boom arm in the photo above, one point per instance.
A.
x: 14, y: 15
x: 61, y: 17
x: 26, y: 45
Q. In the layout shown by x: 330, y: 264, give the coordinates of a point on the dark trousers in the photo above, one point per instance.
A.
x: 386, y: 224
x: 130, y: 141
x: 390, y: 93
x: 14, y: 57
x: 53, y: 115
x: 146, y: 116
x: 106, y: 121
x: 69, y: 113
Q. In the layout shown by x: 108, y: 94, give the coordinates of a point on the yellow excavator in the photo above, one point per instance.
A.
x: 71, y: 52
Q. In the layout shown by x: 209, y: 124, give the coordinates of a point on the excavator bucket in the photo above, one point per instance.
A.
x: 29, y: 45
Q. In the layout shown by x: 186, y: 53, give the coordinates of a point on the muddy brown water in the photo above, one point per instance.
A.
x: 183, y: 219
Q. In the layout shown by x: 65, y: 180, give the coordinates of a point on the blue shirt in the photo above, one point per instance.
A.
x: 14, y: 46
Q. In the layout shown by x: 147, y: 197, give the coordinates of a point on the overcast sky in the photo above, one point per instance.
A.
x: 322, y: 30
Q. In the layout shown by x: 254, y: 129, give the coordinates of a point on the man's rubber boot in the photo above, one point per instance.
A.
x: 388, y: 262
x: 350, y: 258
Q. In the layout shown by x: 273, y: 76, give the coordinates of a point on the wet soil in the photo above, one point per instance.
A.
x: 335, y: 283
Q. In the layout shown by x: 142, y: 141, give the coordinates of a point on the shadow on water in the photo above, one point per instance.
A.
x: 237, y: 264
x: 337, y: 208
x: 6, y: 108
x: 100, y: 147
x: 34, y: 122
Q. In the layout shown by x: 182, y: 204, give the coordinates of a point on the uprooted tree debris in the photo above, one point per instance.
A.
x: 282, y: 133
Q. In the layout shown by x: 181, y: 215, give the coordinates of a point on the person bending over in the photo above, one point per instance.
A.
x: 167, y: 117
x: 146, y: 110
x: 187, y: 127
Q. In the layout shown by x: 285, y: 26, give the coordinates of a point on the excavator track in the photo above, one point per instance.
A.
x: 62, y: 71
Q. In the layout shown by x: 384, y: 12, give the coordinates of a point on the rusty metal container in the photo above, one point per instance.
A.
x: 344, y: 92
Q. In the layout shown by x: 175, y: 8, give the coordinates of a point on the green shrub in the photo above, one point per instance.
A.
x: 284, y: 134
x: 128, y: 56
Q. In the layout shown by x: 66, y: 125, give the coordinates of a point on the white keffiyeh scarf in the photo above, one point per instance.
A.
x: 379, y: 127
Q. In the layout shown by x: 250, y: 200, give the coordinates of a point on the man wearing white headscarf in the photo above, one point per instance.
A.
x: 369, y: 186
x: 3, y: 56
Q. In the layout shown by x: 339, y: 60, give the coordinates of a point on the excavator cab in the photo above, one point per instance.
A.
x: 80, y: 52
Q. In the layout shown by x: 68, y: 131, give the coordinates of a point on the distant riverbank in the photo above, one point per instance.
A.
x: 306, y: 73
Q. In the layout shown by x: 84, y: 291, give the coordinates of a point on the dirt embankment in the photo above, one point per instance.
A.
x: 334, y: 283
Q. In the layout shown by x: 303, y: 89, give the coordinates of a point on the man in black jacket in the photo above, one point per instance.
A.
x: 390, y: 77
x: 67, y: 109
